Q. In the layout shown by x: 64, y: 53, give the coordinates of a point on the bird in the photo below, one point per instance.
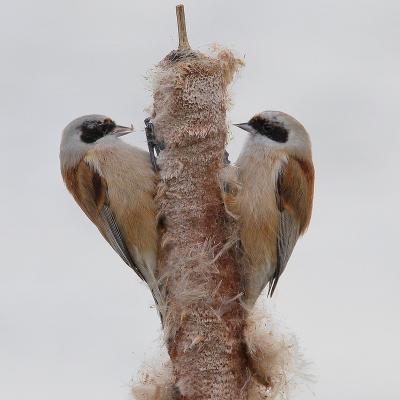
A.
x: 114, y: 184
x: 269, y: 191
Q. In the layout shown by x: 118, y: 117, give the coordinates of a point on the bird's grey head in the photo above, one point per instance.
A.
x: 83, y: 133
x: 279, y: 130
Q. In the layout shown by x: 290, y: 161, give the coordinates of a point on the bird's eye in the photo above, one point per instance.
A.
x: 267, y: 127
x: 103, y: 129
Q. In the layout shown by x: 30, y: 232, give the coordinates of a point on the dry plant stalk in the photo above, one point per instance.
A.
x: 199, y: 273
x: 183, y: 40
x: 218, y: 348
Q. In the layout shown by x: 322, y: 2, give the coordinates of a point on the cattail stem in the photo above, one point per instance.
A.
x: 197, y: 268
x: 217, y: 351
x: 199, y: 273
x: 183, y: 40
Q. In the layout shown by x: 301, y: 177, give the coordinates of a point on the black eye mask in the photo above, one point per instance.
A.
x: 94, y: 130
x: 272, y: 130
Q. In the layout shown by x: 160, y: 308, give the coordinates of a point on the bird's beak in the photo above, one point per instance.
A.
x: 121, y: 130
x: 246, y: 126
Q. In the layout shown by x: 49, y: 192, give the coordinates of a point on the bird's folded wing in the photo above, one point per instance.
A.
x: 287, y: 238
x: 95, y: 203
x: 289, y: 199
x: 114, y: 237
x: 296, y: 188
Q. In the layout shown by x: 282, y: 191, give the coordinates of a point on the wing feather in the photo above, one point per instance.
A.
x: 294, y: 192
x: 92, y: 196
x: 113, y: 235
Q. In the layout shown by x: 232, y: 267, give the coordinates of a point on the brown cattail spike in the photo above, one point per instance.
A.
x: 183, y: 40
x: 198, y: 272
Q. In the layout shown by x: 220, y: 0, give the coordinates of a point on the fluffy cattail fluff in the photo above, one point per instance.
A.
x: 157, y: 383
x: 199, y: 276
x: 276, y: 368
x: 274, y: 359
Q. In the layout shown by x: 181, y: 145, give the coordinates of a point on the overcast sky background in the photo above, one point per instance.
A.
x: 75, y: 322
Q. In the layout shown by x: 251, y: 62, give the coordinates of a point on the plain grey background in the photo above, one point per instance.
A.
x: 75, y: 322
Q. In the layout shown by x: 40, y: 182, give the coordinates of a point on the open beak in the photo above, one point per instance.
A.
x: 121, y: 130
x: 246, y: 126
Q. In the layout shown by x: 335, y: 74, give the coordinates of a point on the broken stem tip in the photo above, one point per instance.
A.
x: 183, y: 40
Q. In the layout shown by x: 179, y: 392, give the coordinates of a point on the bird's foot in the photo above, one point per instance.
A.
x: 152, y: 143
